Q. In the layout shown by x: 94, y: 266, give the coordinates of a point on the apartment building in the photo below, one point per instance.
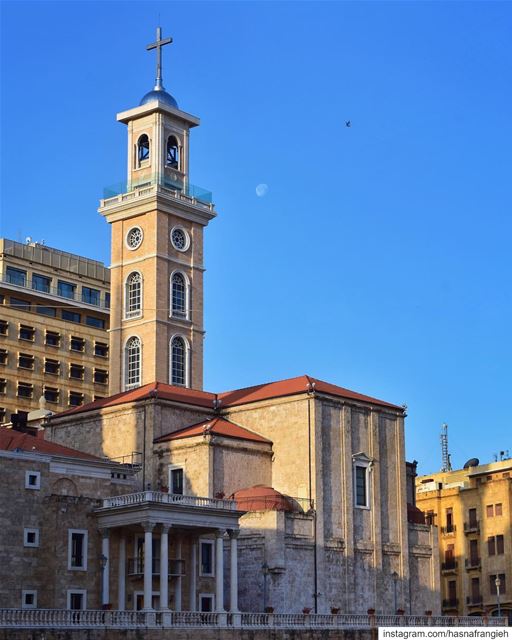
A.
x: 54, y: 318
x: 472, y: 509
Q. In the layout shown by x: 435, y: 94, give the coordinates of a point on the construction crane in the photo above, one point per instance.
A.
x: 447, y: 464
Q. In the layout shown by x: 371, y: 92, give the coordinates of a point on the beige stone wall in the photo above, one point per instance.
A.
x: 63, y: 502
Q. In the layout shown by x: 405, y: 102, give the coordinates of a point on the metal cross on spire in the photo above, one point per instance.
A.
x: 158, y: 46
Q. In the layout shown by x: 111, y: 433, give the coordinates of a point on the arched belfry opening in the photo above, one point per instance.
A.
x: 173, y: 153
x: 142, y: 149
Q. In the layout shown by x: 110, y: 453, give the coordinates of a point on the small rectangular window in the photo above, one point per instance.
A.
x: 101, y: 349
x: 90, y: 296
x: 76, y: 599
x: 361, y: 486
x: 500, y: 545
x: 51, y: 366
x: 25, y: 361
x: 66, y: 289
x: 76, y: 371
x: 77, y: 549
x: 71, y: 316
x: 41, y: 283
x: 32, y: 480
x: 4, y: 327
x: 30, y: 537
x: 2, y: 414
x: 4, y: 356
x: 20, y: 303
x: 29, y: 599
x: 489, y: 510
x: 76, y: 399
x: 107, y: 300
x: 176, y: 480
x: 206, y: 553
x: 3, y: 386
x: 46, y: 311
x: 92, y: 321
x: 498, y: 509
x: 100, y: 376
x: 25, y: 390
x: 52, y: 339
x: 77, y: 344
x: 51, y: 394
x: 206, y: 601
x: 491, y: 546
x: 16, y: 276
x: 27, y: 333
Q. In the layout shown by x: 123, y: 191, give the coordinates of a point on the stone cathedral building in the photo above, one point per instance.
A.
x: 288, y: 495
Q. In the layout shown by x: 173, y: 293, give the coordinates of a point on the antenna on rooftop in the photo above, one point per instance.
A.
x: 447, y: 464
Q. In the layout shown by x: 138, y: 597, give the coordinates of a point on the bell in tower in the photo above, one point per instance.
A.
x: 157, y: 222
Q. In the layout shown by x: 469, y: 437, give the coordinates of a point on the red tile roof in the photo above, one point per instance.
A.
x: 267, y: 391
x: 11, y: 440
x: 294, y: 386
x: 219, y: 426
x: 262, y: 498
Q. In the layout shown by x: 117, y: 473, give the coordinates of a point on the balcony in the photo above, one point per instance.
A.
x: 474, y: 601
x: 123, y: 192
x: 472, y: 527
x: 136, y: 567
x: 472, y: 563
x: 450, y: 529
x: 449, y: 566
x: 451, y: 603
x: 132, y: 499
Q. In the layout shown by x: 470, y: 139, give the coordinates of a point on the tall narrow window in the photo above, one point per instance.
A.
x: 133, y: 363
x: 178, y: 361
x: 361, y: 499
x: 142, y: 148
x: 173, y: 153
x: 179, y: 295
x: 133, y: 305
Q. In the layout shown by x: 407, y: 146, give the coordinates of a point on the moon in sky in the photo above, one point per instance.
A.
x: 262, y: 190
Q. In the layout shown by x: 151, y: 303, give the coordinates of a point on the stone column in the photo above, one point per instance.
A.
x: 148, y: 565
x: 193, y: 577
x: 233, y: 577
x: 121, y: 574
x: 105, y: 573
x: 177, y: 593
x: 164, y: 568
x: 219, y: 571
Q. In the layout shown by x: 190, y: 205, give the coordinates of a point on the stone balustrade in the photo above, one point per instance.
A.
x: 91, y: 619
x: 131, y: 499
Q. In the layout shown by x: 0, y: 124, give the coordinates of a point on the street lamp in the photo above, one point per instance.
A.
x: 265, y: 571
x: 497, y: 582
x: 394, y: 575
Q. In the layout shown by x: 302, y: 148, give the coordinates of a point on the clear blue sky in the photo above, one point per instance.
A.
x: 379, y: 259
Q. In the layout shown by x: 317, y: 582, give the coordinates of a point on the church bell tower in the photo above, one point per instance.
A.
x: 157, y: 219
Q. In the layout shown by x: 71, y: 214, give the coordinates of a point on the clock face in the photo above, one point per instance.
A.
x: 134, y: 238
x: 180, y: 239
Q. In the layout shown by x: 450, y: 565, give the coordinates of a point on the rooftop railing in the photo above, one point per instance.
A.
x: 185, y: 189
x: 133, y: 499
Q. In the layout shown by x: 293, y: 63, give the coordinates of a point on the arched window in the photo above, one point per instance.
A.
x: 178, y: 295
x: 143, y: 148
x: 133, y: 366
x: 133, y: 295
x: 178, y: 361
x: 173, y: 153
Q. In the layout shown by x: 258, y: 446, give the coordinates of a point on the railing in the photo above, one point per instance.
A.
x: 449, y: 565
x: 53, y: 291
x: 472, y: 527
x: 472, y: 563
x: 450, y: 603
x: 90, y: 619
x: 123, y: 191
x: 136, y: 567
x: 448, y: 529
x: 132, y: 499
